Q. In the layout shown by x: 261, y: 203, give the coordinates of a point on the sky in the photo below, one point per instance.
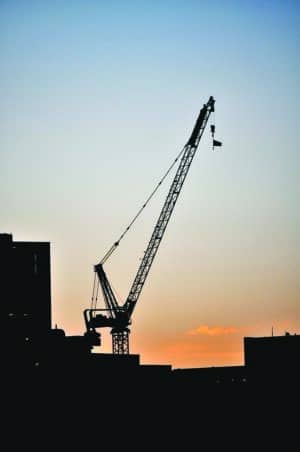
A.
x: 97, y: 100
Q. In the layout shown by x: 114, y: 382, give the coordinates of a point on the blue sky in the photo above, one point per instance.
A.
x: 98, y: 98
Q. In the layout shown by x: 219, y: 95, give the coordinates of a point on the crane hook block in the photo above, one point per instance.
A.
x: 216, y: 143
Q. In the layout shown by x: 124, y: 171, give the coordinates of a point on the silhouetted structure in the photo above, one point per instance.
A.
x: 38, y: 352
x: 46, y: 372
x: 118, y: 317
x: 25, y: 294
x: 212, y: 376
x: 273, y: 360
x: 25, y: 287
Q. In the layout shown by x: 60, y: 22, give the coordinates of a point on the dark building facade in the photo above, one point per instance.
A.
x: 25, y: 294
x: 273, y: 359
x: 272, y: 351
x: 25, y: 285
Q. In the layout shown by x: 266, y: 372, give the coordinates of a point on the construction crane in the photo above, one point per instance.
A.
x: 118, y: 317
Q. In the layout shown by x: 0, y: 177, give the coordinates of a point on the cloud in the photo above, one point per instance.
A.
x: 205, y: 330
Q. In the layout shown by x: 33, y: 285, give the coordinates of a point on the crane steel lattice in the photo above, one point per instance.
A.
x: 119, y: 317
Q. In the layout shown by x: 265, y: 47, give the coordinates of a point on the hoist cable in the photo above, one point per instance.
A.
x: 114, y: 246
x: 93, y: 293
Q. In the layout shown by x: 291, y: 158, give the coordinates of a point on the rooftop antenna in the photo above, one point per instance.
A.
x: 272, y: 331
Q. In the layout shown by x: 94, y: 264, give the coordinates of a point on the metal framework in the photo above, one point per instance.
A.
x: 120, y: 341
x: 119, y: 317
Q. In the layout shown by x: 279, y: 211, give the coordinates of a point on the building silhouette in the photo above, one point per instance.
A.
x: 25, y: 298
x: 48, y: 371
x: 26, y: 289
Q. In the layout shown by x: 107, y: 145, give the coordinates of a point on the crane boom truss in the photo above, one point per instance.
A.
x: 117, y: 317
x: 166, y: 212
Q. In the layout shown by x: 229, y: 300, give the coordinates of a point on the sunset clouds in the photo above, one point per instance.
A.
x: 205, y: 330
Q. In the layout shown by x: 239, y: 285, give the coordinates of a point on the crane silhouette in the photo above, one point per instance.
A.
x: 118, y: 317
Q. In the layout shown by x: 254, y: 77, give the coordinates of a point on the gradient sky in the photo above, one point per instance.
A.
x: 97, y: 99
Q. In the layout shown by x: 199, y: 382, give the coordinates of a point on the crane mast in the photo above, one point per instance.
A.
x: 119, y: 317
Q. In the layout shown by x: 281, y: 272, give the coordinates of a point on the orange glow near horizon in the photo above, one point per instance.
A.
x: 204, y: 346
